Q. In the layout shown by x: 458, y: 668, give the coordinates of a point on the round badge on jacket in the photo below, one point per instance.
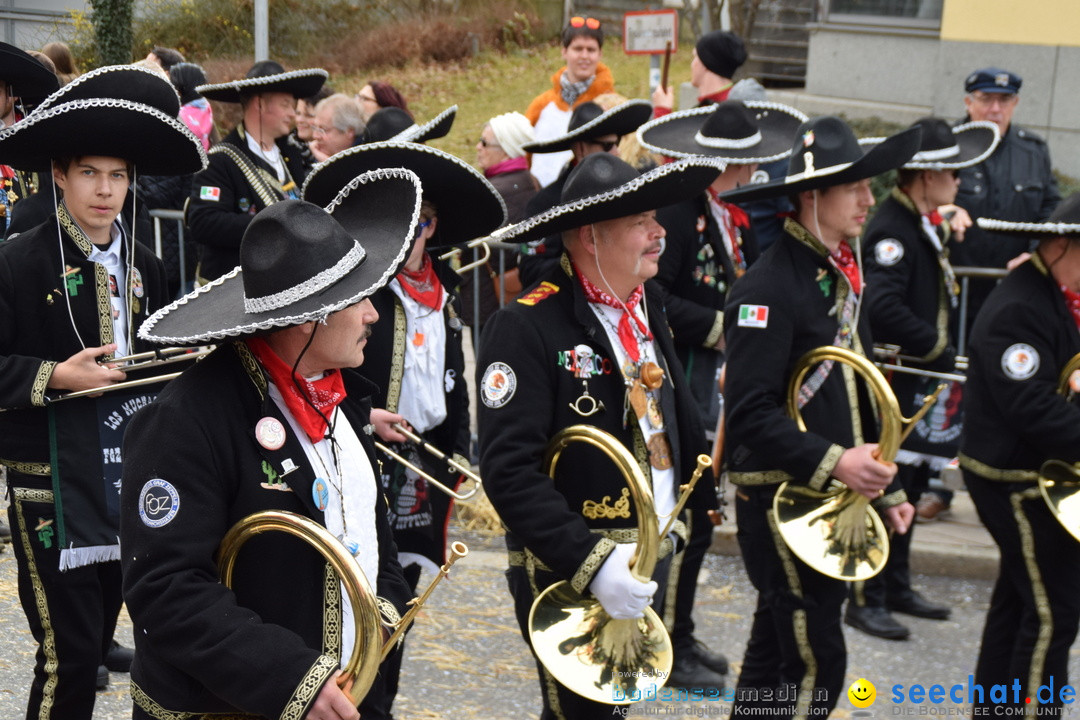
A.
x: 498, y: 385
x: 888, y: 252
x: 1020, y: 361
x: 158, y: 503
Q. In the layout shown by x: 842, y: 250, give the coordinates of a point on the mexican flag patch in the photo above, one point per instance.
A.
x: 207, y: 192
x: 755, y: 316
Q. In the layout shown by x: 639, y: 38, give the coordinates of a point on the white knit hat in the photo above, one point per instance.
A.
x: 512, y: 130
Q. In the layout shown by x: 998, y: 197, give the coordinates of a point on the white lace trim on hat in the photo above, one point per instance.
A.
x: 1030, y: 227
x: 262, y: 80
x: 414, y: 131
x: 813, y: 172
x: 309, y: 287
x: 583, y: 130
x: 57, y: 97
x: 939, y: 154
x: 728, y: 143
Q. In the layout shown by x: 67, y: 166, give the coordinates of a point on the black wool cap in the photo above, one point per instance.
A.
x: 722, y: 52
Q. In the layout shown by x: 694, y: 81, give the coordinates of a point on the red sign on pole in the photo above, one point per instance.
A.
x: 648, y: 32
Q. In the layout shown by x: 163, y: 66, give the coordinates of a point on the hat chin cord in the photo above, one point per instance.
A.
x: 596, y: 260
x: 858, y: 264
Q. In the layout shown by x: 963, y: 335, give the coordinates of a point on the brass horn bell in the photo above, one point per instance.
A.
x: 1059, y: 482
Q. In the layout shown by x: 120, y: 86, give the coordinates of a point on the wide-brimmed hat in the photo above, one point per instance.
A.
x: 947, y: 147
x: 266, y: 76
x: 603, y: 187
x: 155, y: 143
x: 26, y: 77
x: 468, y: 206
x: 122, y: 82
x: 826, y: 153
x: 735, y: 131
x: 437, y: 127
x: 300, y: 262
x: 589, y: 121
x: 1064, y: 221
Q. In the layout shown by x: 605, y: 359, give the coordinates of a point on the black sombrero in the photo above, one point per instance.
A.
x: 603, y: 187
x: 156, y: 143
x: 738, y: 132
x: 123, y: 82
x: 468, y: 205
x: 437, y: 127
x: 300, y: 262
x: 826, y: 153
x: 27, y: 78
x: 266, y: 76
x: 1064, y: 221
x: 589, y: 120
x: 945, y: 147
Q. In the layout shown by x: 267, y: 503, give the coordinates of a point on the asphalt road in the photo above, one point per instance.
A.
x: 465, y: 658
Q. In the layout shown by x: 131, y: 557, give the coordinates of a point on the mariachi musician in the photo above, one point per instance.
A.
x: 584, y: 347
x: 1018, y: 416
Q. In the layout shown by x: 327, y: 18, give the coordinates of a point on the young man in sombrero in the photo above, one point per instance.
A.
x: 589, y: 345
x: 275, y: 419
x: 1020, y: 412
x: 709, y: 245
x: 912, y: 298
x: 254, y: 165
x: 591, y: 130
x: 806, y: 291
x: 74, y: 291
x: 415, y: 357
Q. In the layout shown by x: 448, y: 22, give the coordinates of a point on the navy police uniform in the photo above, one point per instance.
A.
x: 1015, y: 421
x: 203, y: 650
x: 790, y: 301
x: 540, y: 357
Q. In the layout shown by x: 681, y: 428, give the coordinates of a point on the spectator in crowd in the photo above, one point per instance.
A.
x: 377, y: 95
x: 60, y: 55
x: 165, y: 57
x: 339, y: 124
x: 195, y: 111
x: 303, y: 133
x: 717, y: 56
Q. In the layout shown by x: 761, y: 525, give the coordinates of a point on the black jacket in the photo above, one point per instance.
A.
x: 223, y: 200
x: 273, y: 641
x: 36, y: 332
x: 802, y: 295
x: 1014, y: 417
x: 534, y: 344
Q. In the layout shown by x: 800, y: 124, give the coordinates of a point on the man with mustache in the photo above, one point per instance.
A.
x: 590, y: 345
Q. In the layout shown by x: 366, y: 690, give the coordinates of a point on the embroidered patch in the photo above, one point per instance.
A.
x: 888, y: 252
x: 1020, y: 361
x: 583, y: 362
x: 158, y: 503
x: 538, y: 293
x: 755, y: 316
x: 207, y: 192
x: 498, y: 385
x: 136, y: 283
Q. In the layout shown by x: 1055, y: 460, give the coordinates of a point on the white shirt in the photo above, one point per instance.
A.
x: 272, y: 156
x: 663, y: 481
x: 423, y: 381
x: 552, y: 123
x: 351, y: 481
x: 111, y: 258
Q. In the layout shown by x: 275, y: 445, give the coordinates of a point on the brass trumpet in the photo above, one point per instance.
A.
x: 835, y: 531
x: 359, y: 672
x: 574, y: 638
x: 483, y: 242
x: 889, y: 357
x: 450, y: 462
x: 141, y: 361
x: 1059, y: 482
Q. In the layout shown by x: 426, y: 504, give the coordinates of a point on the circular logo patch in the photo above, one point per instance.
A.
x: 158, y: 503
x: 498, y: 385
x: 888, y: 252
x: 270, y: 433
x: 1020, y: 361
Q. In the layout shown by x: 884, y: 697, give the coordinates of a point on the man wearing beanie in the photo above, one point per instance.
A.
x: 717, y: 56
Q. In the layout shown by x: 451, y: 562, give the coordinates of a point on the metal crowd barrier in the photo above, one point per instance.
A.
x: 965, y: 273
x: 176, y: 216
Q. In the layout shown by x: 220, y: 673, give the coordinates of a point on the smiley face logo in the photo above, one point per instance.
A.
x: 862, y: 693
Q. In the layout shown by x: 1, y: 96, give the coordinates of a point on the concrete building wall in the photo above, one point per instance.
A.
x: 29, y: 24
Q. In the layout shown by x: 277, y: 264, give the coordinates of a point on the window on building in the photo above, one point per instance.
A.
x: 908, y: 13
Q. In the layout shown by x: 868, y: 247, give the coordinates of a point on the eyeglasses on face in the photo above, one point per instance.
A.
x: 591, y: 23
x: 989, y: 99
x: 320, y: 130
x: 488, y: 143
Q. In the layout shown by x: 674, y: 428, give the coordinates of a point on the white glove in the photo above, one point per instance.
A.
x: 622, y: 596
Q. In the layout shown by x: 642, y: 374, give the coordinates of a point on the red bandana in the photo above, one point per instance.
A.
x: 738, y: 215
x: 845, y: 260
x: 934, y: 217
x: 423, y: 285
x: 626, y: 333
x: 1072, y: 301
x: 324, y: 393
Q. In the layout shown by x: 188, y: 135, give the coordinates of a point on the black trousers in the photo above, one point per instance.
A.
x: 683, y: 579
x: 1035, y: 605
x: 71, y: 614
x: 561, y: 703
x: 894, y: 580
x: 795, y: 658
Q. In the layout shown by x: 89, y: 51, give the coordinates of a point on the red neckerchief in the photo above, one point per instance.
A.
x: 1072, y: 301
x: 716, y: 98
x: 845, y: 260
x: 626, y: 333
x: 423, y: 285
x: 324, y: 393
x: 739, y: 219
x: 934, y: 217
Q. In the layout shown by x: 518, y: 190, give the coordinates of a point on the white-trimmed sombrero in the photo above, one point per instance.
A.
x: 123, y: 82
x: 603, y: 187
x: 826, y: 153
x: 1064, y: 221
x: 947, y: 147
x: 26, y: 77
x: 738, y: 132
x: 300, y: 262
x: 589, y: 121
x: 266, y: 76
x: 468, y: 205
x: 437, y: 127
